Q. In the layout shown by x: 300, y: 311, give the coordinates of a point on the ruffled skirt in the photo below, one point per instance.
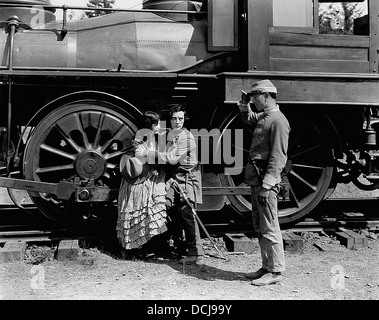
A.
x: 141, y: 210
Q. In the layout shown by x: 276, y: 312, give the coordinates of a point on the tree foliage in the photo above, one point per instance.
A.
x: 99, y: 4
x: 339, y: 18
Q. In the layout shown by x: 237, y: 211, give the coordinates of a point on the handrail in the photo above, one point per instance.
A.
x: 66, y: 7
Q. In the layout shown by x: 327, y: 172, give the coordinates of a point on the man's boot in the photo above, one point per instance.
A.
x: 256, y: 274
x: 268, y: 278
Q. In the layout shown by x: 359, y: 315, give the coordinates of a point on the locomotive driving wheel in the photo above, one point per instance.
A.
x: 309, y: 168
x: 79, y: 142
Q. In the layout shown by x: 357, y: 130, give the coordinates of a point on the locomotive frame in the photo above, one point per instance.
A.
x: 85, y: 110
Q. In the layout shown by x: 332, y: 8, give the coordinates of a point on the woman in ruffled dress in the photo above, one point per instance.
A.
x: 141, y: 201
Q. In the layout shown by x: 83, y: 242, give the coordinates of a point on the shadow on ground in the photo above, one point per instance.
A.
x: 158, y: 252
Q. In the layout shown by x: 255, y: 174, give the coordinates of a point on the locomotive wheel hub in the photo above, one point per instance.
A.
x: 90, y: 165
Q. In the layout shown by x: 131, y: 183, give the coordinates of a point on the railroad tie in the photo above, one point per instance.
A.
x: 68, y: 250
x: 292, y: 242
x: 12, y: 251
x: 238, y: 243
x: 351, y: 239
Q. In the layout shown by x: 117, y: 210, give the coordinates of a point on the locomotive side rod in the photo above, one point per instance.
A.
x: 62, y: 190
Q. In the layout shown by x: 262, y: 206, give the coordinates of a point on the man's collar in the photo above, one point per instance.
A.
x: 271, y: 110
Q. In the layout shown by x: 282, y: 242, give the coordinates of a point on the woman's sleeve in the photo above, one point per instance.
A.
x: 179, y: 152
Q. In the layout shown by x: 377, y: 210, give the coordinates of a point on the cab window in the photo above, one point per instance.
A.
x: 342, y: 18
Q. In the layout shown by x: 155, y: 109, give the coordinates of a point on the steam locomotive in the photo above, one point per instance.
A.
x: 71, y: 93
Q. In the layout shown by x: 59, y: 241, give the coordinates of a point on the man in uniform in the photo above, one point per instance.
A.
x: 267, y: 158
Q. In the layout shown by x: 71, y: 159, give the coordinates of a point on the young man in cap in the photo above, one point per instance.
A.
x: 267, y: 158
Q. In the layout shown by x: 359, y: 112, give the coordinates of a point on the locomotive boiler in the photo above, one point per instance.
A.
x: 71, y: 93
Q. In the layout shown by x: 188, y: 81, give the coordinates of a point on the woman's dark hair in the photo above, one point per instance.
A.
x: 149, y: 119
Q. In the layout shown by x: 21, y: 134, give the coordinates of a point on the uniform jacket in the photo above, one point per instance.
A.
x: 269, y: 143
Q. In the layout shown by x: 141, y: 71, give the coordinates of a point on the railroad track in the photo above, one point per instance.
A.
x: 352, y: 213
x: 35, y: 235
x: 30, y: 226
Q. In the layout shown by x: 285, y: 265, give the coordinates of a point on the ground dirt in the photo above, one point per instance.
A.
x: 336, y: 273
x: 99, y: 273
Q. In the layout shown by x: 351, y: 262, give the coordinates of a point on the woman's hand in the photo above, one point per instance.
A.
x: 141, y: 152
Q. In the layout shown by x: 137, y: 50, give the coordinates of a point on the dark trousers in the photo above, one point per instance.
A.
x: 183, y: 220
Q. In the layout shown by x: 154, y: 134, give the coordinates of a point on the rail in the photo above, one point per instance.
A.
x: 333, y: 214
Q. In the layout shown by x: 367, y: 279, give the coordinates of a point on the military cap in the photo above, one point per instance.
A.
x: 263, y: 86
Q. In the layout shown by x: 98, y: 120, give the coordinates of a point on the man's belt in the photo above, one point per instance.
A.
x: 187, y: 174
x: 181, y: 169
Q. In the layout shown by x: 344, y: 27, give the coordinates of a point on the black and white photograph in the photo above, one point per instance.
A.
x: 190, y: 156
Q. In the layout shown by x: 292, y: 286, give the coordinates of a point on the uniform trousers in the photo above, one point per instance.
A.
x: 266, y: 222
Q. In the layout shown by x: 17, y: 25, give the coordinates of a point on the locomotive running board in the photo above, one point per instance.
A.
x: 63, y: 190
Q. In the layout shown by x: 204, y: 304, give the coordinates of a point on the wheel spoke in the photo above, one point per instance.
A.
x: 307, y: 166
x: 121, y: 132
x: 81, y: 129
x: 68, y: 139
x: 57, y: 152
x: 294, y: 174
x: 306, y: 150
x: 109, y: 156
x: 55, y: 168
x: 96, y: 143
x: 239, y: 148
x: 295, y: 198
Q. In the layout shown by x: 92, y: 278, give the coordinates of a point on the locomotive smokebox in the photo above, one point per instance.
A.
x: 30, y: 13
